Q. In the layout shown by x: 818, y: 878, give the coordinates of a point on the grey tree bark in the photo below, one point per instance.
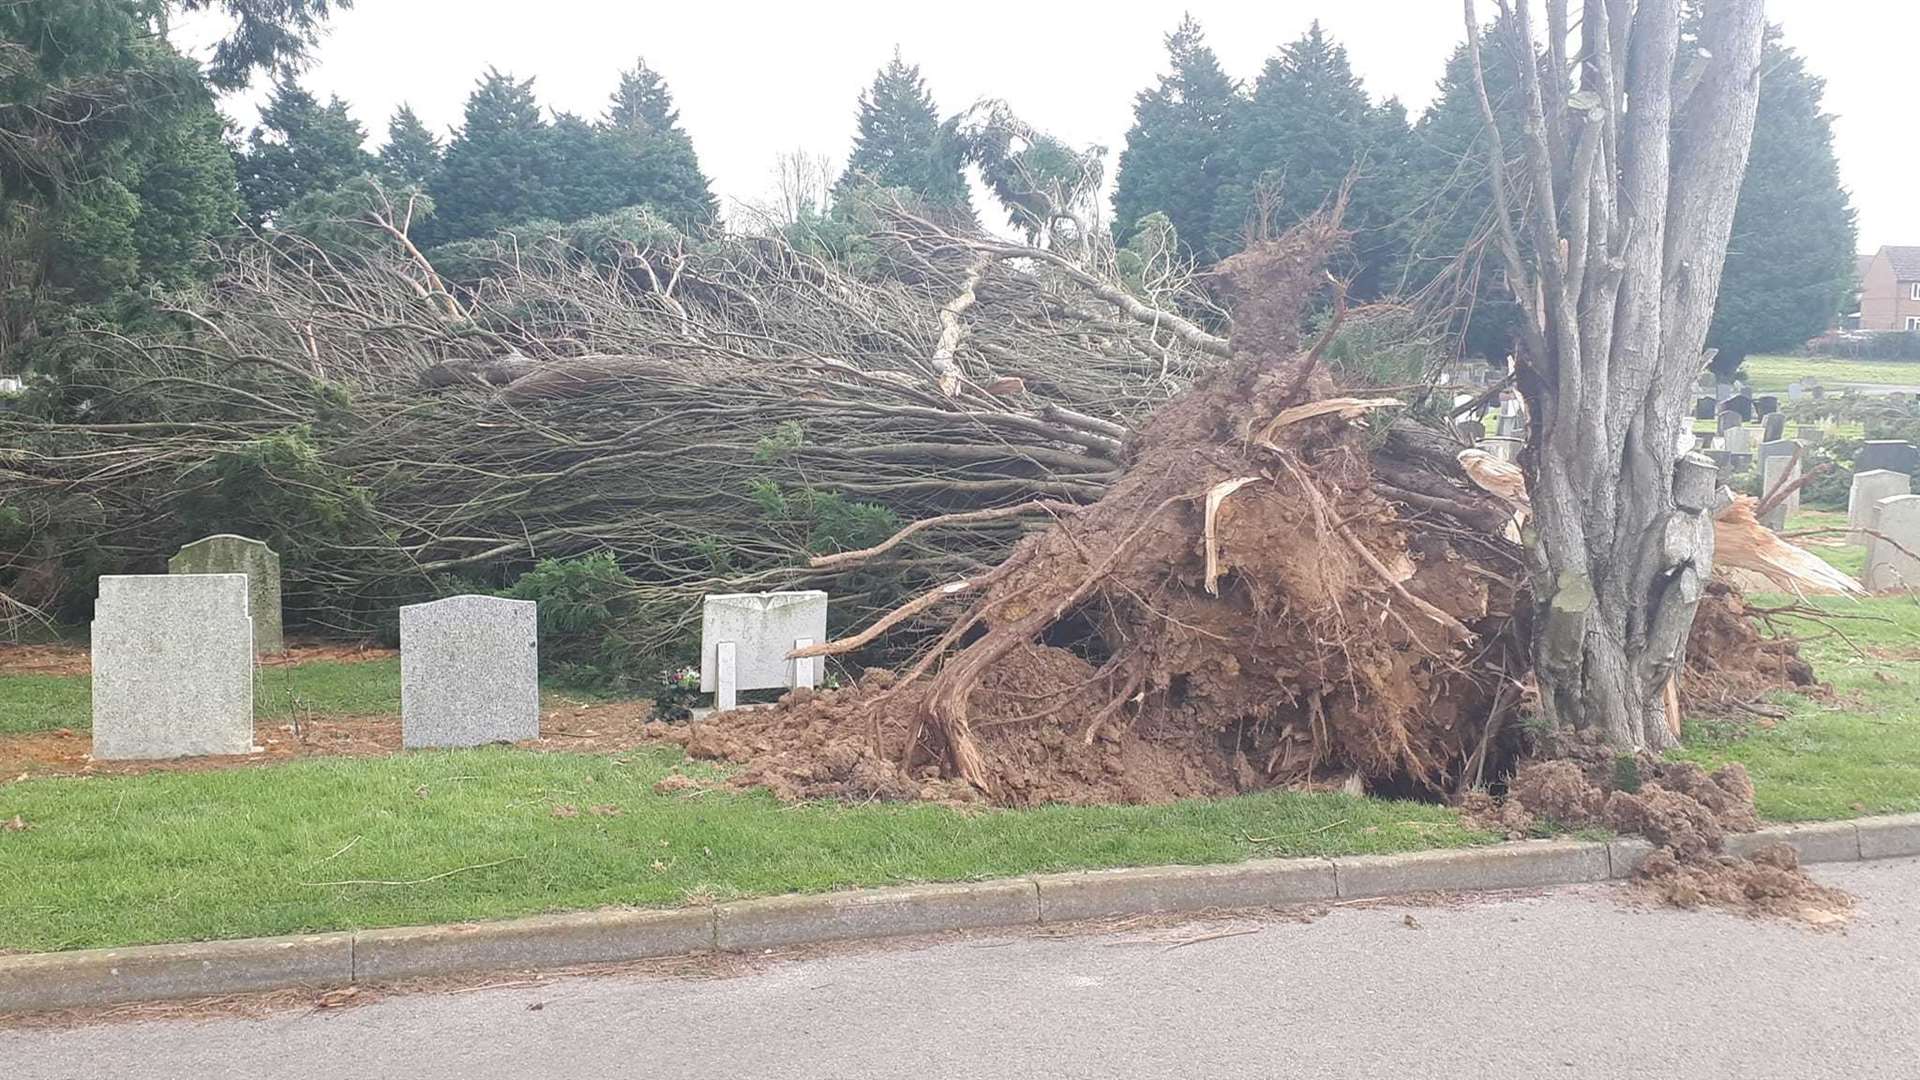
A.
x: 1612, y: 209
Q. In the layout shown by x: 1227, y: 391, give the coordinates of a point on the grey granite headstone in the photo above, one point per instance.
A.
x: 762, y: 628
x: 469, y: 672
x: 229, y: 554
x: 172, y: 666
x: 1774, y: 427
x: 1726, y: 419
x: 1703, y: 407
x: 1897, y: 520
x: 1868, y: 489
x: 1740, y: 403
x: 1779, y: 466
x: 1766, y: 405
x: 1739, y: 440
x: 1896, y: 454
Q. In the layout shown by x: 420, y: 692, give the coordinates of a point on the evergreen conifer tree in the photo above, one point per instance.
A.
x: 1790, y: 262
x: 494, y: 172
x: 900, y: 142
x: 300, y: 146
x: 412, y: 153
x: 1180, y: 150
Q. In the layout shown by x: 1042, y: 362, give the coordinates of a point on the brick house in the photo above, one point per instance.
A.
x: 1890, y: 290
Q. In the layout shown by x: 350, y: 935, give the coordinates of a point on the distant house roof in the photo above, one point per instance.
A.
x: 1906, y: 262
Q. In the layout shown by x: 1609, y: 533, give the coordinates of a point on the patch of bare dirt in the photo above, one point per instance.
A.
x: 1729, y: 660
x: 581, y: 727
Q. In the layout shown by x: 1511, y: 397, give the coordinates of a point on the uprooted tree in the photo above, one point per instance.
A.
x: 1612, y: 210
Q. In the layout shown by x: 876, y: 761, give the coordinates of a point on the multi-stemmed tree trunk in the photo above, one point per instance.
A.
x: 1612, y: 210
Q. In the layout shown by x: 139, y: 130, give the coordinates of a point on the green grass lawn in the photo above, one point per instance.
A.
x: 280, y: 692
x: 244, y: 852
x: 46, y: 702
x: 1771, y: 374
x: 1857, y: 752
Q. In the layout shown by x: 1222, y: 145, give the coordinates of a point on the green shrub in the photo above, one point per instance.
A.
x: 585, y: 603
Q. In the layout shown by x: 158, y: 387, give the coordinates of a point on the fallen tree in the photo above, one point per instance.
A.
x: 1287, y: 586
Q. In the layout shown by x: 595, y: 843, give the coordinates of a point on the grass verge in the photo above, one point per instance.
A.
x: 1771, y: 374
x: 250, y: 852
x: 1856, y: 752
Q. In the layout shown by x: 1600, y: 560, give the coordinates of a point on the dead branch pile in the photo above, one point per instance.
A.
x: 713, y: 414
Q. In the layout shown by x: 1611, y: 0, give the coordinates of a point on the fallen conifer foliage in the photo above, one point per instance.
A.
x: 711, y: 414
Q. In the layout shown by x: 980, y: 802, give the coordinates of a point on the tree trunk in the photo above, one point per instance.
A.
x: 1613, y: 228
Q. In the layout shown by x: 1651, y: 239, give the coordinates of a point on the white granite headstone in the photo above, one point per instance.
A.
x: 1864, y: 497
x: 469, y: 672
x: 1897, y: 520
x: 762, y: 629
x: 172, y: 666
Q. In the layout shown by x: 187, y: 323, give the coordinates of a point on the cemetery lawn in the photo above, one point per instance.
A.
x: 1771, y: 374
x: 441, y: 836
x: 281, y: 694
x: 1852, y: 753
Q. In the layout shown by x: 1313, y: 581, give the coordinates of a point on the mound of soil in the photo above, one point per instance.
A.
x: 1729, y: 660
x: 1685, y: 812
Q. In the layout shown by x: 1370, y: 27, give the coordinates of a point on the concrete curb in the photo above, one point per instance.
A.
x: 44, y: 981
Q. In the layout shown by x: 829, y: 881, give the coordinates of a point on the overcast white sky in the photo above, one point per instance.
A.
x: 755, y: 78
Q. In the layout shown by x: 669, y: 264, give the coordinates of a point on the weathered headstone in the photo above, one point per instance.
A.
x: 1868, y: 489
x: 469, y: 672
x: 1503, y: 449
x: 1722, y: 460
x: 229, y: 554
x: 1766, y: 405
x: 1726, y: 420
x: 1778, y: 466
x: 1896, y: 454
x: 1795, y: 391
x: 1897, y: 520
x: 1703, y: 407
x: 172, y: 666
x: 1738, y: 440
x: 745, y: 639
x: 1773, y: 427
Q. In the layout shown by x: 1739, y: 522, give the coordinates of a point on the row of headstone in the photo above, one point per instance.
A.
x: 173, y: 662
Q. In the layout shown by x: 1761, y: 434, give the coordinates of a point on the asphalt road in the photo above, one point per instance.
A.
x: 1569, y: 984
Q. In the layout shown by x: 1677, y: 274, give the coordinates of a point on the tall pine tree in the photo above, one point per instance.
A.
x: 300, y: 146
x: 1790, y: 263
x: 494, y: 173
x: 651, y: 157
x: 900, y: 142
x: 1309, y: 126
x: 1180, y: 150
x: 412, y: 153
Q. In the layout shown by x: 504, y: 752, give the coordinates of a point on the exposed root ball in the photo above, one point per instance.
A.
x: 1243, y: 609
